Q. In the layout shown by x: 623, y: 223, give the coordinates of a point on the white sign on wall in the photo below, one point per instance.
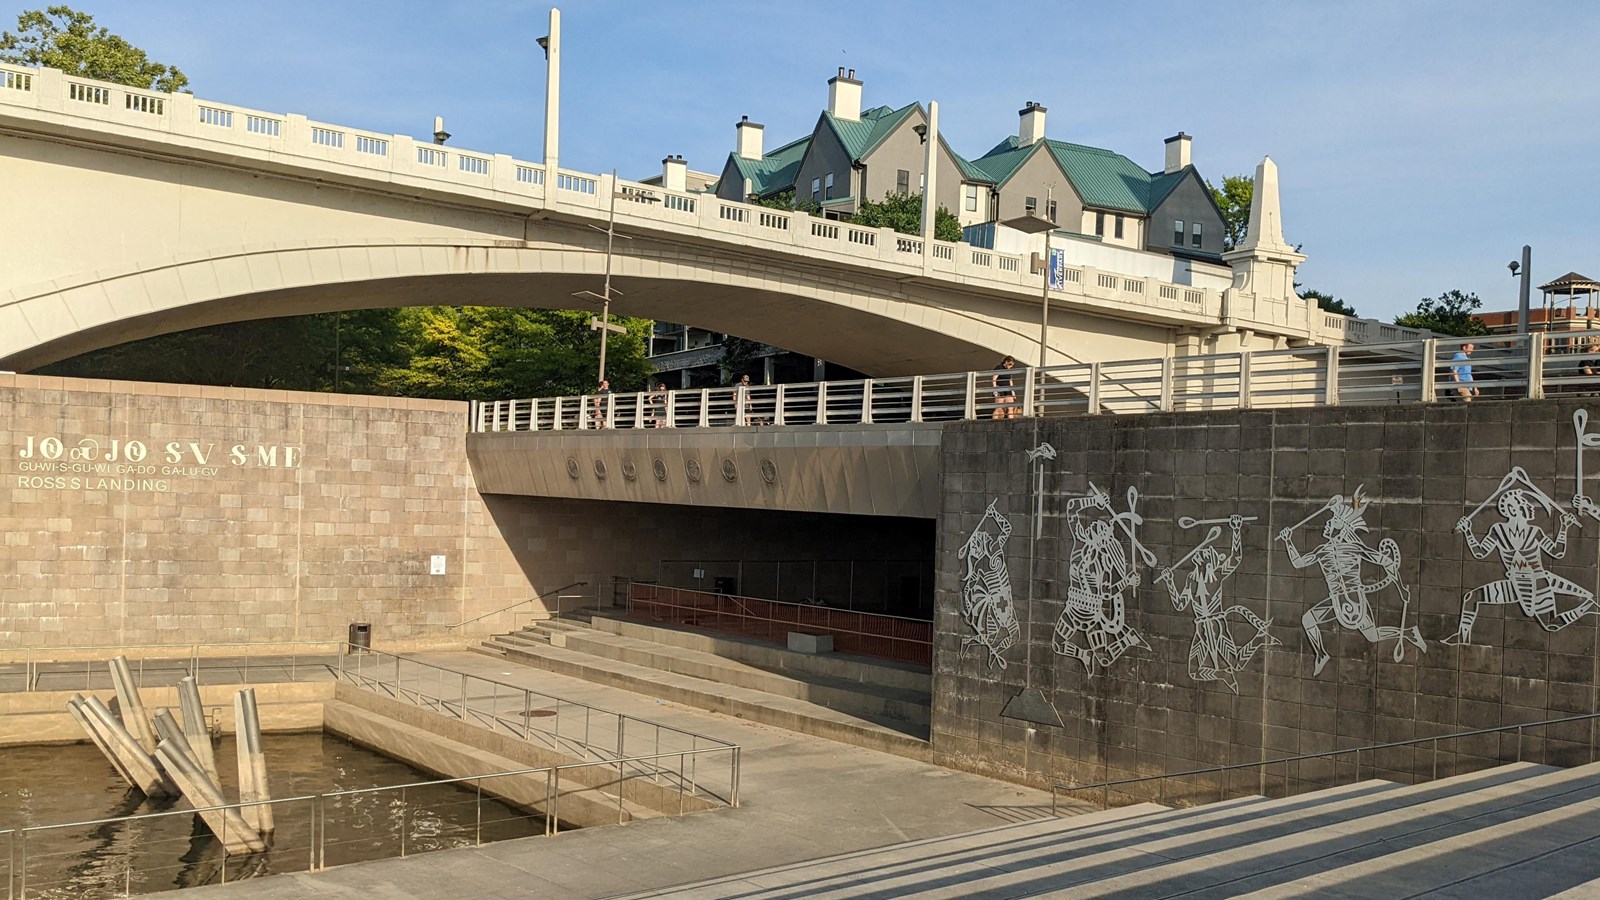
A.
x: 436, y: 564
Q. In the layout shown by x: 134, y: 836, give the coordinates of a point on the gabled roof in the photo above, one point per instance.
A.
x: 863, y: 135
x: 774, y: 171
x: 1105, y: 180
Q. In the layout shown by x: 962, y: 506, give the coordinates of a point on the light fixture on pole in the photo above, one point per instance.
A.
x: 922, y: 132
x: 603, y: 324
x: 1525, y: 268
x: 1032, y: 223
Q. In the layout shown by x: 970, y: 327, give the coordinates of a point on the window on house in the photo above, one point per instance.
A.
x: 1100, y: 224
x: 1052, y: 210
x: 828, y: 189
x: 971, y: 192
x: 816, y: 196
x: 1195, y: 237
x: 1030, y: 205
x: 1177, y: 232
x: 1119, y: 225
x: 902, y: 181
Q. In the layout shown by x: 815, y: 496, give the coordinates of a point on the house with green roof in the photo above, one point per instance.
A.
x: 853, y: 154
x: 1103, y: 195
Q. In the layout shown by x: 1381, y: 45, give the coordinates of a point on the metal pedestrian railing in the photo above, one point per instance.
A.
x: 1499, y: 367
x: 863, y: 634
x: 1286, y: 782
x: 161, y: 665
x: 557, y: 723
x: 336, y: 827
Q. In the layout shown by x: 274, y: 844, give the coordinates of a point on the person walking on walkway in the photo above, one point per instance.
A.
x: 1005, y: 394
x: 1461, y: 372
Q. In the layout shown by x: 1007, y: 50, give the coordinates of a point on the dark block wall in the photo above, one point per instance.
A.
x: 1423, y: 468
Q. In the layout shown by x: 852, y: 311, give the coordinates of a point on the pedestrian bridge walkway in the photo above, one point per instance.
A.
x: 1501, y: 368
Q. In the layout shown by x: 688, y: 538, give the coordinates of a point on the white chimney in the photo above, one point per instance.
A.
x: 675, y: 173
x: 844, y: 96
x: 1177, y: 152
x: 749, y: 146
x: 1031, y: 129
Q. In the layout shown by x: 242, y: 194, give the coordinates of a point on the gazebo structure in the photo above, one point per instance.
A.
x: 1571, y: 285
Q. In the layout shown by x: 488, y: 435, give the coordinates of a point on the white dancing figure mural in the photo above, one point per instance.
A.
x: 986, y: 588
x: 1341, y: 557
x: 1225, y: 640
x: 1522, y: 545
x: 1100, y: 575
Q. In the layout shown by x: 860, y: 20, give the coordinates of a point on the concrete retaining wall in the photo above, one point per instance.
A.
x: 1152, y: 710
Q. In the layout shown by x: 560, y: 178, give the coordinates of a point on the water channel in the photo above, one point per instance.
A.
x: 62, y: 784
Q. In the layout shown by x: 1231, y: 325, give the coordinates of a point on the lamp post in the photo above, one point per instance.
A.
x: 603, y: 324
x: 1525, y: 288
x: 1036, y: 224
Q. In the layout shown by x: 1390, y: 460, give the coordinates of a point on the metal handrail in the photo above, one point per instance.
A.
x: 542, y: 595
x: 1105, y: 786
x: 1506, y: 366
x: 343, y: 672
x: 16, y: 866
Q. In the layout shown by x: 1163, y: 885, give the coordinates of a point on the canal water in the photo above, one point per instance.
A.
x: 74, y: 783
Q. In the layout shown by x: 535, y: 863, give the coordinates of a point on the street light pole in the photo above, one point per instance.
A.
x: 605, y: 303
x: 1524, y: 290
x: 1044, y: 306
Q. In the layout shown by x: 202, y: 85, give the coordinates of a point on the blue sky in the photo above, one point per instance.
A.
x: 1420, y: 143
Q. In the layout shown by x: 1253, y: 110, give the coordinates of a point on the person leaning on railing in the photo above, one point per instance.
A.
x: 1461, y: 373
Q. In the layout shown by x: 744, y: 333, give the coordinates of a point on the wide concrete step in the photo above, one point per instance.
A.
x: 757, y: 706
x: 1532, y: 839
x: 1222, y: 865
x: 766, y: 655
x: 854, y: 697
x: 1515, y: 831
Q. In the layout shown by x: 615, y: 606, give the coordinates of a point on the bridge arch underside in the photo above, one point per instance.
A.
x: 914, y: 331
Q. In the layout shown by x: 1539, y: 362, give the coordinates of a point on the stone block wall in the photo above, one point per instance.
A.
x: 172, y: 514
x: 1422, y: 469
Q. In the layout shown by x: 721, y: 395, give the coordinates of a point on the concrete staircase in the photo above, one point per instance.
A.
x: 867, y: 702
x: 1519, y: 831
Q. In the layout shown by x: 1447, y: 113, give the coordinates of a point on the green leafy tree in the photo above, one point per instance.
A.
x: 1327, y: 302
x: 903, y: 213
x: 491, y: 351
x: 1233, y: 199
x: 61, y: 37
x: 786, y: 199
x: 1450, y: 313
x: 739, y: 357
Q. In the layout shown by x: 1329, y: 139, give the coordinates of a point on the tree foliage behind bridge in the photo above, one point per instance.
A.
x: 60, y: 37
x: 1450, y: 313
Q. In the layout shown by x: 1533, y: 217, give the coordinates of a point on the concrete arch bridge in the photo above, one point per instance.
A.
x: 134, y: 213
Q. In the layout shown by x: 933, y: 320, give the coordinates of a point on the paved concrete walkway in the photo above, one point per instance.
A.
x: 801, y: 798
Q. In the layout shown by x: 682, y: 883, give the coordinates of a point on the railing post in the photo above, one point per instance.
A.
x: 611, y: 410
x: 916, y: 398
x: 822, y: 403
x: 1166, y: 383
x: 1330, y: 389
x: 777, y: 406
x: 866, y: 402
x: 671, y: 411
x: 555, y: 418
x: 1536, y: 365
x: 969, y: 410
x: 1430, y: 362
x: 705, y: 407
x: 533, y: 414
x: 1244, y: 380
x: 1094, y: 388
x: 740, y: 402
x: 1029, y: 396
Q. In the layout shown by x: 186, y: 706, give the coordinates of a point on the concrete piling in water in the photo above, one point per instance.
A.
x: 87, y: 722
x: 237, y: 836
x: 131, y: 757
x: 252, y: 762
x: 134, y: 717
x: 194, y: 727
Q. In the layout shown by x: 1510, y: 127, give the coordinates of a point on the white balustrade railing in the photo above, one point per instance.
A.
x: 1502, y: 368
x: 288, y: 137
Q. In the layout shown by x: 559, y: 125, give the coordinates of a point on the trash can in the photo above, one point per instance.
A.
x: 360, y: 637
